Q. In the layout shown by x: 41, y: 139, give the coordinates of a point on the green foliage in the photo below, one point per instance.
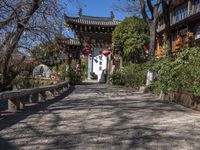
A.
x: 23, y: 81
x: 93, y: 75
x: 61, y: 70
x: 84, y: 68
x: 118, y: 78
x: 180, y: 75
x: 135, y: 74
x: 47, y: 53
x: 165, y: 75
x: 73, y: 76
x: 130, y: 36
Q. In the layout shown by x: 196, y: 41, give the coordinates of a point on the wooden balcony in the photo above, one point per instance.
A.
x: 191, y: 11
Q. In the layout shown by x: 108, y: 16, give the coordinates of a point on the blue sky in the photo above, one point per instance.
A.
x: 95, y: 8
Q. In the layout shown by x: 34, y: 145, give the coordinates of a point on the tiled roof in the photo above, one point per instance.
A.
x: 74, y: 41
x: 90, y: 20
x: 69, y: 41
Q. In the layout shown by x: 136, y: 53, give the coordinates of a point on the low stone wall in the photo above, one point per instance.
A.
x: 17, y: 99
x: 184, y: 98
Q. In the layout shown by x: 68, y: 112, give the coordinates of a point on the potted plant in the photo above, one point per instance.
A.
x: 93, y: 76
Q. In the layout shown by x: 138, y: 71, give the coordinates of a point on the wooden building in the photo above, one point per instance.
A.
x: 95, y: 35
x: 72, y: 49
x: 184, y: 24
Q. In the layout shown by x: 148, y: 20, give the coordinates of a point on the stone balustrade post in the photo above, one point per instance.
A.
x: 60, y: 90
x: 41, y: 97
x: 12, y: 105
x: 56, y: 92
x: 49, y: 94
x: 52, y: 92
x: 15, y: 104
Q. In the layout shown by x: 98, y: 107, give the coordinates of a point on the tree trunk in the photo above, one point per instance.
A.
x: 166, y: 12
x: 10, y: 45
x: 152, y: 38
x: 9, y: 48
x: 152, y: 45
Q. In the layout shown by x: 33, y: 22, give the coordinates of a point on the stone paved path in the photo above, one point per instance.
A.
x: 96, y: 117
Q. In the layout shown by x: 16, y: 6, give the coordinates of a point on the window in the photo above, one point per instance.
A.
x: 197, y: 4
x: 197, y: 32
x: 180, y: 13
x: 197, y: 1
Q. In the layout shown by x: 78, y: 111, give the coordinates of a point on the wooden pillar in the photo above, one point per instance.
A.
x: 193, y: 7
x: 171, y: 18
x: 189, y: 7
x: 109, y: 69
x: 121, y: 62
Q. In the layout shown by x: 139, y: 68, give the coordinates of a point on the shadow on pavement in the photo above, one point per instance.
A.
x: 8, y: 121
x: 99, y: 117
x: 6, y: 145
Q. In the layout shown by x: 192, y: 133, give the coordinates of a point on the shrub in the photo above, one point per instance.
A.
x: 118, y: 78
x: 130, y: 36
x: 93, y: 76
x: 180, y: 75
x: 84, y: 68
x: 23, y: 81
x: 61, y: 71
x: 135, y: 74
x: 73, y: 76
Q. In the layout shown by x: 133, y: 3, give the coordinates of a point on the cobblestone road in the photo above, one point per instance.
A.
x: 96, y: 117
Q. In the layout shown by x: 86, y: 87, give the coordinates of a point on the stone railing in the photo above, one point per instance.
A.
x: 18, y: 98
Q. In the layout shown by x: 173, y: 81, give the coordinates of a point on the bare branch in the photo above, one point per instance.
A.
x: 150, y: 6
x: 143, y: 10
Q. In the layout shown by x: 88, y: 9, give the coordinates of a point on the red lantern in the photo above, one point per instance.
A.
x: 146, y: 47
x: 86, y: 51
x: 106, y: 52
x: 158, y: 39
x: 34, y: 37
x: 49, y: 13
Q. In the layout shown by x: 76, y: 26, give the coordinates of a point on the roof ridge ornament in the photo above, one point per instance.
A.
x: 112, y: 15
x: 80, y: 12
